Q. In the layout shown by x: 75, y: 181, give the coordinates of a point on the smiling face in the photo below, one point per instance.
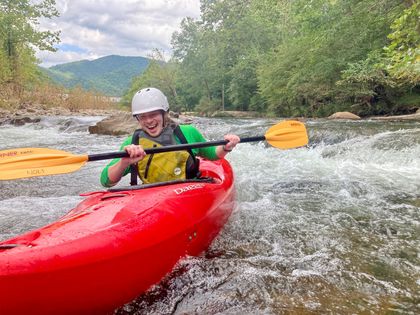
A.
x: 151, y: 122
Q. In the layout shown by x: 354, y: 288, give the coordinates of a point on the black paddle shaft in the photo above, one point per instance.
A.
x: 170, y: 148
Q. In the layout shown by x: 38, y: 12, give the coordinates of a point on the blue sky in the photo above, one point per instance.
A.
x: 70, y: 48
x: 92, y: 29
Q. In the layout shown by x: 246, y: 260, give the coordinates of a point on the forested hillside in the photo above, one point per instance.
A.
x: 23, y: 81
x: 292, y: 58
x: 110, y: 75
x: 281, y: 57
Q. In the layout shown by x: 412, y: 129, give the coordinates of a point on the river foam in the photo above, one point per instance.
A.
x: 328, y: 228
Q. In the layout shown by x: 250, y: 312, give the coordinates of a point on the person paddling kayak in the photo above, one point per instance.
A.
x: 150, y: 107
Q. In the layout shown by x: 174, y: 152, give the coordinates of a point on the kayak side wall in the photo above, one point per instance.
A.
x: 101, y: 285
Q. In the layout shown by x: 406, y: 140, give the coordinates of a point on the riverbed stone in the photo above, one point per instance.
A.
x: 124, y: 123
x: 415, y: 117
x: 344, y: 115
x: 22, y: 120
x: 118, y: 124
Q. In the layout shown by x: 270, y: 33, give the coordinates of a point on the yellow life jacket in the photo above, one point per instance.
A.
x: 166, y: 166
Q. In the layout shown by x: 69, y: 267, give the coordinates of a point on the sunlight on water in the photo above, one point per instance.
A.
x: 331, y: 228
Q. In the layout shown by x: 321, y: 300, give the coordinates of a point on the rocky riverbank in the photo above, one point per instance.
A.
x: 351, y: 116
x: 117, y: 122
x: 123, y: 123
x: 30, y: 113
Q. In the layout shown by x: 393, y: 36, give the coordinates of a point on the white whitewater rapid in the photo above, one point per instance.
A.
x: 330, y: 228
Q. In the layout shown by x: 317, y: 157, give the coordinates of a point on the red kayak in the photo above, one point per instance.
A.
x: 114, y: 245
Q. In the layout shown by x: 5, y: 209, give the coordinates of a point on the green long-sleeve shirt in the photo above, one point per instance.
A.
x: 191, y: 134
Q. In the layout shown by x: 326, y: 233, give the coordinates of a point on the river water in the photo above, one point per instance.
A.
x: 331, y: 228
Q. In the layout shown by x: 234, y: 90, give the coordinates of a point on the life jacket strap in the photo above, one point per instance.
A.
x: 194, y: 170
x: 133, y: 167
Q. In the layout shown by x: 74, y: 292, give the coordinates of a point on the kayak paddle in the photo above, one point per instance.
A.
x: 31, y: 162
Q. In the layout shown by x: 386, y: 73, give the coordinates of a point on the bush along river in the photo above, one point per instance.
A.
x: 332, y: 228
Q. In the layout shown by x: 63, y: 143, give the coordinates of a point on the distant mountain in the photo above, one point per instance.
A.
x: 111, y: 75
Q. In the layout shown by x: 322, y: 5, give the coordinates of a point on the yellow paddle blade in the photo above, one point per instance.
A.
x: 31, y: 162
x: 287, y: 134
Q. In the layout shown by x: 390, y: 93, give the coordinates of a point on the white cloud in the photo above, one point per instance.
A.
x: 96, y: 28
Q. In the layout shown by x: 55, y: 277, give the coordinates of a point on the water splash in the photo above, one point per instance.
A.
x: 331, y: 228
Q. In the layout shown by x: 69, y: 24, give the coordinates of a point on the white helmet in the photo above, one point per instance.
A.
x: 148, y: 100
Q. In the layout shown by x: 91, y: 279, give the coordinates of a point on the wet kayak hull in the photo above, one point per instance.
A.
x: 114, y: 245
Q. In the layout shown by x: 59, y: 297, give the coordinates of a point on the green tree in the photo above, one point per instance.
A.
x: 159, y: 74
x: 299, y: 57
x: 403, y: 52
x: 218, y: 54
x: 387, y: 81
x: 194, y: 51
x: 19, y: 36
x: 301, y: 73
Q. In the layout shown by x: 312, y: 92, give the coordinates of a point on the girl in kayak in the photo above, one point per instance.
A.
x: 150, y: 107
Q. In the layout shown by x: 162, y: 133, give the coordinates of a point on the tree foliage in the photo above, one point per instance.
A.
x: 109, y: 75
x: 19, y: 36
x: 158, y: 74
x: 299, y: 57
x: 403, y: 52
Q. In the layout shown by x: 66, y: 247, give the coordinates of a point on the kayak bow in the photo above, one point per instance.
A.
x: 114, y: 245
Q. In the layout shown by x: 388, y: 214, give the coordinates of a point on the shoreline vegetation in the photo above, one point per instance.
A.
x: 48, y: 99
